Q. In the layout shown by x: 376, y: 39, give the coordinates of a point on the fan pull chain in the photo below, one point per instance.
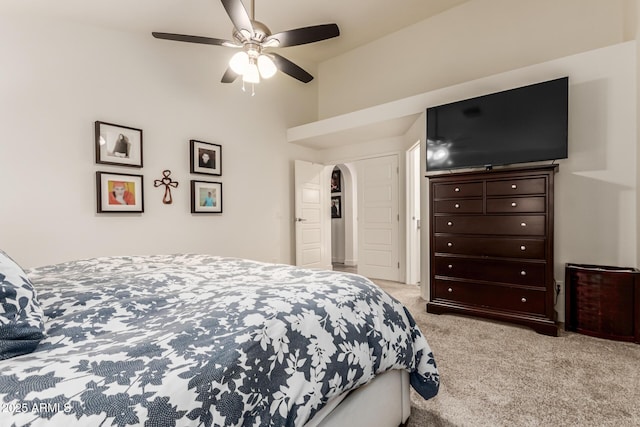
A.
x: 253, y: 88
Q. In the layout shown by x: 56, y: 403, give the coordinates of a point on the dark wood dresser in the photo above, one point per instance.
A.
x: 491, y: 246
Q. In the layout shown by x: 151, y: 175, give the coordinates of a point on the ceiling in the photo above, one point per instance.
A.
x: 360, y: 21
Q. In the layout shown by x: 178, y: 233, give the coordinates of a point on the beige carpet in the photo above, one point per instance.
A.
x: 496, y: 374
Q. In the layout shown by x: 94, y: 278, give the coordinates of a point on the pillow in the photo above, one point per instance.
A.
x: 21, y: 316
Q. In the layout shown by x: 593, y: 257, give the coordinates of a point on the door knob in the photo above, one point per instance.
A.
x: 300, y: 219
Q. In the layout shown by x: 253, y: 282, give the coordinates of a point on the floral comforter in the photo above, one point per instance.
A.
x: 203, y: 340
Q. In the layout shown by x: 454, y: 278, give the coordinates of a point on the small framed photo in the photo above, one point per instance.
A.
x: 206, y: 158
x: 118, y: 145
x: 206, y: 197
x: 336, y: 181
x: 119, y: 192
x: 336, y: 208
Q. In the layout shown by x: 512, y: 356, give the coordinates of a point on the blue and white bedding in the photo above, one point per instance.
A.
x: 202, y: 340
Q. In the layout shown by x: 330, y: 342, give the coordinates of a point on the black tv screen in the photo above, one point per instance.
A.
x: 521, y: 125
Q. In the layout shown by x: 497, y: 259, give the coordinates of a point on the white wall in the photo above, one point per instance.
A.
x: 57, y: 78
x: 479, y: 38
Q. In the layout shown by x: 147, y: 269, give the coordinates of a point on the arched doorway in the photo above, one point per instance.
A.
x: 344, y: 232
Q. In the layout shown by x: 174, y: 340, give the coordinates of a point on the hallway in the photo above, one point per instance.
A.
x: 345, y: 268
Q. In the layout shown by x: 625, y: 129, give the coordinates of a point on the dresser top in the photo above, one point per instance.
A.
x: 502, y: 170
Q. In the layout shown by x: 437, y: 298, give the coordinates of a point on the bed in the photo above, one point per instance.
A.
x: 203, y: 340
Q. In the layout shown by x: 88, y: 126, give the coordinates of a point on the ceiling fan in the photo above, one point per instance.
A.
x: 255, y: 60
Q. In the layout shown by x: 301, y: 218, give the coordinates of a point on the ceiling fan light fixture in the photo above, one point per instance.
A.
x: 271, y: 42
x: 252, y: 37
x: 245, y: 34
x: 239, y: 62
x: 251, y: 74
x: 266, y: 66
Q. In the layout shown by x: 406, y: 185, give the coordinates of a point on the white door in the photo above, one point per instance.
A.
x: 413, y: 212
x: 311, y: 215
x: 378, y: 218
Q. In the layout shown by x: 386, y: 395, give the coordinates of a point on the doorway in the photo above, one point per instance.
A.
x: 413, y: 215
x: 368, y: 241
x: 365, y: 235
x: 344, y: 239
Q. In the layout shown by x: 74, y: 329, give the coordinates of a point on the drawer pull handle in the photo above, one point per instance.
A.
x: 450, y: 266
x: 514, y: 186
x: 449, y: 290
x: 514, y: 204
x: 523, y: 224
x: 457, y: 190
x: 523, y: 299
x: 523, y: 248
x: 449, y: 244
x: 449, y: 223
x: 523, y: 273
x: 457, y: 205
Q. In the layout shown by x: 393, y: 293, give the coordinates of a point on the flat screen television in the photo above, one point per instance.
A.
x: 521, y: 125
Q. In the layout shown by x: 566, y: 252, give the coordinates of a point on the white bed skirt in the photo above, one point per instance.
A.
x: 384, y: 402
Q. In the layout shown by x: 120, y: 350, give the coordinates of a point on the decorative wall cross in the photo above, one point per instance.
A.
x: 168, y: 183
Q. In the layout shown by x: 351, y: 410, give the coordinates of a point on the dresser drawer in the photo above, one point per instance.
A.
x: 516, y: 204
x: 458, y: 206
x: 465, y: 189
x: 513, y: 272
x: 506, y: 247
x: 516, y: 225
x: 491, y: 296
x: 516, y: 186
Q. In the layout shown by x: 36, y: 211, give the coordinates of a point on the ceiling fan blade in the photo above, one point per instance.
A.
x: 290, y: 68
x: 195, y: 39
x: 238, y: 15
x: 305, y: 35
x: 229, y: 76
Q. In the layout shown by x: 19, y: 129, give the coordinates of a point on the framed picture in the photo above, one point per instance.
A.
x: 118, y: 145
x: 119, y: 192
x: 336, y: 208
x: 336, y: 181
x: 206, y: 197
x: 206, y: 158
